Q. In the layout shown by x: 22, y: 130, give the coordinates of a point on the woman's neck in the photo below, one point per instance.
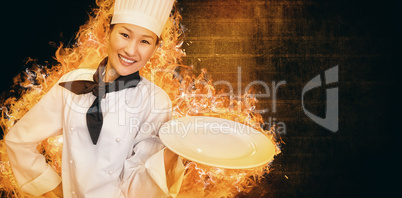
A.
x: 110, y: 74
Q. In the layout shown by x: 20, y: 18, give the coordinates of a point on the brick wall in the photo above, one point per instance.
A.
x: 293, y: 41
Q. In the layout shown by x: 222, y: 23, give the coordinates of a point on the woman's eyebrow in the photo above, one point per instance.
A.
x: 148, y: 36
x: 127, y: 29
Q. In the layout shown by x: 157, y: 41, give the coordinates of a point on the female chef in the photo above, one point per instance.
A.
x: 109, y: 118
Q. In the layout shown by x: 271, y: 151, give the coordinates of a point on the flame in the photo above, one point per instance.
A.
x: 190, y: 94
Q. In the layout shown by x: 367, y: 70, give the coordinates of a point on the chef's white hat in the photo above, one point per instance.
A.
x: 149, y: 14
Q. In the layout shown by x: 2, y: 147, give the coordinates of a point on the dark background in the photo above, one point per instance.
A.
x: 275, y: 40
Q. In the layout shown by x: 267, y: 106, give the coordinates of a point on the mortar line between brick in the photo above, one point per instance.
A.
x: 283, y: 55
x: 277, y: 38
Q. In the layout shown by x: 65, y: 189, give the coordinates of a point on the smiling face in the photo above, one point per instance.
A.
x: 130, y: 47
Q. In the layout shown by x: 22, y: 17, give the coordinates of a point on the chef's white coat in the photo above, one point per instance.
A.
x: 127, y: 161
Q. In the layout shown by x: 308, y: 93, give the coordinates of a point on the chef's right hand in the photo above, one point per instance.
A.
x: 58, y: 191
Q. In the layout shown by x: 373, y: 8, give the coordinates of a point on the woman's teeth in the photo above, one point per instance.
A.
x: 126, y: 60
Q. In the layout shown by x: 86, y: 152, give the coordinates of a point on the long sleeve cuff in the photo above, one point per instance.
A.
x: 156, y: 169
x: 46, y: 182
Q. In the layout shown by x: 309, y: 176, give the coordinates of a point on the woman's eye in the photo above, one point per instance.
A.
x: 124, y: 35
x: 146, y: 42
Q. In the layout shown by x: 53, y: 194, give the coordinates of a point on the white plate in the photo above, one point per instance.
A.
x: 217, y: 142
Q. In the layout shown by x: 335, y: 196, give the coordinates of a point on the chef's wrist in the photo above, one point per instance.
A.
x: 170, y: 158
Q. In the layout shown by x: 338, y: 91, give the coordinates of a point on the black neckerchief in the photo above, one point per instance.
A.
x: 99, y: 89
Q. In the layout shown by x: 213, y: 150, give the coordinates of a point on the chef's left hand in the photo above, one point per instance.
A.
x: 170, y: 159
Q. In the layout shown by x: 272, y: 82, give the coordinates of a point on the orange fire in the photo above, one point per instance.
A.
x: 191, y: 95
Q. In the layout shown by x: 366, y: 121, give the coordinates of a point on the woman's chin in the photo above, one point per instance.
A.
x: 124, y: 72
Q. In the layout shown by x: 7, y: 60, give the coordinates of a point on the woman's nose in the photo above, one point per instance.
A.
x: 131, y: 48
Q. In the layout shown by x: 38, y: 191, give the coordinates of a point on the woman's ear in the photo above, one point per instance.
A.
x: 109, y: 32
x: 156, y: 48
x: 158, y: 44
x: 110, y: 29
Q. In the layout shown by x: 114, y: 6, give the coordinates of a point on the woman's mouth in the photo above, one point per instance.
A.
x: 125, y: 60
